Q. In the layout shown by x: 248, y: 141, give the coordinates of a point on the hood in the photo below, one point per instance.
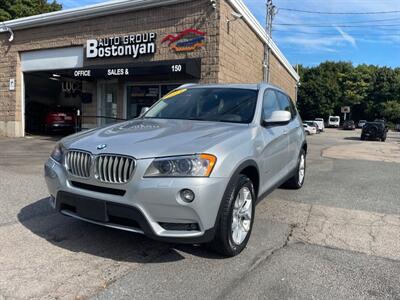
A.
x: 147, y: 138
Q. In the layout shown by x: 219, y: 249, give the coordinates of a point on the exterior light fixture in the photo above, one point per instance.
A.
x: 214, y: 3
x: 236, y: 16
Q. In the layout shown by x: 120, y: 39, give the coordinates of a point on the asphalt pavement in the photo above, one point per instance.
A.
x: 337, y: 238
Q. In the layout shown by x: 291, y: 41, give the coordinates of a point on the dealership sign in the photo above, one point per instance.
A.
x: 133, y: 45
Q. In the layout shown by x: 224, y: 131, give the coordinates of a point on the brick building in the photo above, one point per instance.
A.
x: 112, y: 59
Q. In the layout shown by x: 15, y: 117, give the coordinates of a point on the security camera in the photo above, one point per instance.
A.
x: 4, y: 28
x: 236, y: 15
x: 11, y: 35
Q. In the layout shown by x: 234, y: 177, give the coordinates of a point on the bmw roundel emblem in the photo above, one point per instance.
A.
x: 101, y: 147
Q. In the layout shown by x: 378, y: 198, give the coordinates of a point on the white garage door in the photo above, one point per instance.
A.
x: 53, y: 59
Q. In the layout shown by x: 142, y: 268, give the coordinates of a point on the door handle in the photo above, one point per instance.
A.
x: 285, y: 132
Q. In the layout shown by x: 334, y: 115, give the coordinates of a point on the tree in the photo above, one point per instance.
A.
x: 391, y: 110
x: 371, y: 91
x: 13, y: 9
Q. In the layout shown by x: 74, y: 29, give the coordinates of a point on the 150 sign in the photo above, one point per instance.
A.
x: 176, y: 68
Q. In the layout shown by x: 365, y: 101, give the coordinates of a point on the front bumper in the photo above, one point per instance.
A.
x: 372, y: 136
x: 150, y: 206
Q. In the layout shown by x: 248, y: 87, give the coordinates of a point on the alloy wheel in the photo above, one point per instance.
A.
x: 242, y: 215
x: 302, y: 169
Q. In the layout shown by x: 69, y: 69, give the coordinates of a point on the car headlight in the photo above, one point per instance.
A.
x: 200, y: 165
x: 58, y: 153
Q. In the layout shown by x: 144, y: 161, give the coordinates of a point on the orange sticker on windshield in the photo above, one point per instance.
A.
x: 174, y: 93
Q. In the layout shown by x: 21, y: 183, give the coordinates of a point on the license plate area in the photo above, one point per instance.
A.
x: 95, y: 210
x: 84, y: 207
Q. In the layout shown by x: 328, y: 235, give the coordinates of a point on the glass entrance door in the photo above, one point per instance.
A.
x: 141, y: 96
x: 108, y: 103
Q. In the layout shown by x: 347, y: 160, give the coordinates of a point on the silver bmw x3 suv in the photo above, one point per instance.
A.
x: 191, y: 169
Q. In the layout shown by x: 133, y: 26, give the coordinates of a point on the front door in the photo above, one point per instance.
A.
x: 294, y: 129
x: 108, y: 109
x: 276, y: 142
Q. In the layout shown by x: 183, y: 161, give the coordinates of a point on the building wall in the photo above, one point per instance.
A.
x: 242, y: 55
x: 197, y: 14
x: 279, y: 76
x: 232, y: 54
x: 241, y: 51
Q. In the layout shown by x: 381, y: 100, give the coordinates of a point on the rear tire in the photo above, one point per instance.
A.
x: 233, y: 229
x: 297, y: 181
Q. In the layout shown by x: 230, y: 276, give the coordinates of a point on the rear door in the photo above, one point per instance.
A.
x: 294, y: 130
x: 275, y: 147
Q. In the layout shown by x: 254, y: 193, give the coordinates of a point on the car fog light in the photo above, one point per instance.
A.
x: 187, y: 195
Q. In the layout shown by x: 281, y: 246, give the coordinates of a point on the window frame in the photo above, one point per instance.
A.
x: 292, y: 107
x: 262, y: 104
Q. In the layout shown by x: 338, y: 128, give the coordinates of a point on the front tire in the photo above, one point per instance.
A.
x: 297, y: 181
x: 236, y: 218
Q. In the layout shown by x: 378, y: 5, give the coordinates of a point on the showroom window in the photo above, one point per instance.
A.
x: 141, y: 96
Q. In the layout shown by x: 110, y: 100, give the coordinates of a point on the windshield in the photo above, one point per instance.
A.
x: 207, y: 104
x: 334, y: 119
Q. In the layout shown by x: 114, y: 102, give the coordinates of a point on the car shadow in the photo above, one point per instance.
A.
x: 352, y: 138
x: 82, y: 237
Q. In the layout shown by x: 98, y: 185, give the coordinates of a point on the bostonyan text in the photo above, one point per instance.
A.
x: 130, y: 45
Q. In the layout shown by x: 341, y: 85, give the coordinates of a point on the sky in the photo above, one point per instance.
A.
x: 358, y: 38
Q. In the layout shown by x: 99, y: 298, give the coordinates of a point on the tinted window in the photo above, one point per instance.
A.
x: 207, y: 104
x: 270, y: 104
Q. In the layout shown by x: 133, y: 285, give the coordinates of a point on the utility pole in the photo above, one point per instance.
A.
x: 270, y: 14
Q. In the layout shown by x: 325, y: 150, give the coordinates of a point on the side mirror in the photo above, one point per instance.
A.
x: 144, y: 110
x: 279, y: 117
